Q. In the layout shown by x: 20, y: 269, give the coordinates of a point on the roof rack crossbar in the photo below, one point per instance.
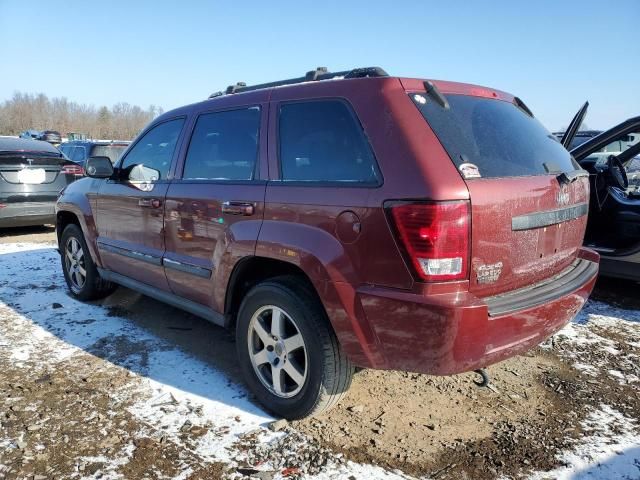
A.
x: 320, y: 73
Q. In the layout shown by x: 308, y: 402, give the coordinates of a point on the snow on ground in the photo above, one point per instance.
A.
x: 42, y: 322
x: 176, y: 387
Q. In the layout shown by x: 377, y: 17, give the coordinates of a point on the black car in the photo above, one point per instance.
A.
x: 32, y: 174
x: 51, y: 136
x: 79, y: 151
x: 612, y: 159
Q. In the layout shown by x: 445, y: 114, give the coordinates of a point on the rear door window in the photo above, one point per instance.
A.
x: 495, y: 136
x: 322, y: 141
x: 224, y: 146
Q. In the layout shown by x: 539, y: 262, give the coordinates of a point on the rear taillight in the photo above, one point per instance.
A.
x: 76, y: 170
x: 435, y: 237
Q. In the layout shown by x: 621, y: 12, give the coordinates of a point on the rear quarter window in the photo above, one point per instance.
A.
x: 499, y: 138
x: 322, y: 141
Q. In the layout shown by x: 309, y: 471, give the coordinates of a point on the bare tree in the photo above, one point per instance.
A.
x: 26, y: 111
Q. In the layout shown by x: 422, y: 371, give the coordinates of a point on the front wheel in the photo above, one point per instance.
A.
x: 80, y: 272
x: 288, y: 351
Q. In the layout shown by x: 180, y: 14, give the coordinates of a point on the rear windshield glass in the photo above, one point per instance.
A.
x: 495, y: 136
x: 114, y: 152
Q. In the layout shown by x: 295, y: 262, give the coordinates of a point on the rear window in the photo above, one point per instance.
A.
x: 114, y: 152
x: 494, y: 136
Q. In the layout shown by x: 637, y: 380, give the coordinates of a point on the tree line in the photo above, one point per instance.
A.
x: 25, y: 111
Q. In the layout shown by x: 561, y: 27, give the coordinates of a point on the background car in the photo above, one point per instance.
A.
x: 34, y: 134
x: 32, y: 174
x: 51, y: 136
x: 80, y: 151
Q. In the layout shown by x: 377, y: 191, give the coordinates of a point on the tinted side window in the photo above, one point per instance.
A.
x: 322, y: 141
x: 224, y: 146
x: 150, y: 158
x: 79, y: 154
x: 66, y: 149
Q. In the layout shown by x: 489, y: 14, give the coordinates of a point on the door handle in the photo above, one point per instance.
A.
x: 149, y: 203
x: 238, y: 208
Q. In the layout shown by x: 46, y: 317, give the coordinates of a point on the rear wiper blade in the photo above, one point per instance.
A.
x: 566, y: 178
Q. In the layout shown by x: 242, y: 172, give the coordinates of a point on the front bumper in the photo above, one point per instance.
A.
x: 458, y: 332
x: 23, y: 214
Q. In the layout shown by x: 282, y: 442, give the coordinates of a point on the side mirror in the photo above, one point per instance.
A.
x: 98, y: 167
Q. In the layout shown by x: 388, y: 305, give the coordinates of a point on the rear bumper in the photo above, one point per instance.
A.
x: 457, y: 332
x: 24, y: 214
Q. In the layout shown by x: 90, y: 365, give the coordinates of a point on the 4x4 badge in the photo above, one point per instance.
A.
x: 488, y: 273
x: 563, y: 196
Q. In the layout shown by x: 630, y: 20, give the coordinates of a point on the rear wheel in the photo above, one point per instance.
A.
x: 288, y: 351
x: 80, y: 272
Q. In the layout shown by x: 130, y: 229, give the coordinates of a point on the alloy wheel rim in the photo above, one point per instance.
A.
x: 75, y: 264
x: 277, y: 351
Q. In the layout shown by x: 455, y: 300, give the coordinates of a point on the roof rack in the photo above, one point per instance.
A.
x: 320, y: 73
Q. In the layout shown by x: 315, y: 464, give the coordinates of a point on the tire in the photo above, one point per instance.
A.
x: 73, y: 264
x: 326, y: 369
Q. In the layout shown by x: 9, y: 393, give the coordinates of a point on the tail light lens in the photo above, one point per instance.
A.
x: 435, y: 237
x: 76, y: 170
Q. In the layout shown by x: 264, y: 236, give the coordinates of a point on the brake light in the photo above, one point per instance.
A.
x: 76, y: 170
x: 435, y: 237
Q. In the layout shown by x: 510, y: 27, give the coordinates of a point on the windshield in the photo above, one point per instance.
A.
x: 114, y: 152
x: 496, y: 137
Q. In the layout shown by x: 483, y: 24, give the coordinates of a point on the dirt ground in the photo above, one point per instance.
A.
x: 77, y: 414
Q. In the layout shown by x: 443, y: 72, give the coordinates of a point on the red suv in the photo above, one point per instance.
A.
x: 340, y: 220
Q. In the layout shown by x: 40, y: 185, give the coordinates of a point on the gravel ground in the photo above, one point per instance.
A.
x: 130, y: 388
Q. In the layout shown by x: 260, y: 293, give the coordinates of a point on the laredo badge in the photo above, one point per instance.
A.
x: 488, y: 273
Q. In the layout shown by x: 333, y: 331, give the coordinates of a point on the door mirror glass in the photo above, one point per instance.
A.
x: 99, y: 167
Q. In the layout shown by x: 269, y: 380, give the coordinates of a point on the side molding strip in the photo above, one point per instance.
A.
x: 166, y: 297
x: 187, y: 268
x: 153, y: 260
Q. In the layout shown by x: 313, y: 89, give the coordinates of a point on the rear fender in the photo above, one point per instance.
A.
x: 323, y: 259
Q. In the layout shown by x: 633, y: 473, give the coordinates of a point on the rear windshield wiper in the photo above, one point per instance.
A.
x: 572, y: 176
x: 565, y: 177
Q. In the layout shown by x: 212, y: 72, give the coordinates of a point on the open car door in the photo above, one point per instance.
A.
x: 574, y: 126
x: 613, y: 228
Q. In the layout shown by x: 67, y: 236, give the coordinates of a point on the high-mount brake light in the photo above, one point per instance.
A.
x: 435, y: 237
x: 76, y: 170
x: 483, y: 92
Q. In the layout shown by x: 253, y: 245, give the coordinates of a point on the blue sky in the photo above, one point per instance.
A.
x: 554, y: 55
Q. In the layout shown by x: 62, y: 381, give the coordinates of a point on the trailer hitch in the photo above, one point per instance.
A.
x: 485, y: 378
